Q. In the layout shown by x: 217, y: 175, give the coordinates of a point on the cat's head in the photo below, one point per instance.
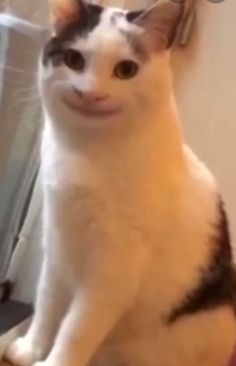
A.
x: 104, y: 63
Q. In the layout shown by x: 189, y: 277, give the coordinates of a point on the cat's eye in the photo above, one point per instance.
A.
x: 74, y: 60
x: 126, y: 69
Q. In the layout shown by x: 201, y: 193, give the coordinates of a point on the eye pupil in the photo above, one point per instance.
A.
x: 74, y: 60
x: 126, y: 69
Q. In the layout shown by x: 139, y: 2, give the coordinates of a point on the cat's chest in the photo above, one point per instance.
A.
x: 62, y: 168
x: 103, y: 184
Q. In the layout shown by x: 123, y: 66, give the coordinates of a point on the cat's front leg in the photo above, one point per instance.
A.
x: 51, y: 302
x: 107, y: 293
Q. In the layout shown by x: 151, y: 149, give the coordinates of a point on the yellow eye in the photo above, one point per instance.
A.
x: 74, y: 60
x: 126, y: 69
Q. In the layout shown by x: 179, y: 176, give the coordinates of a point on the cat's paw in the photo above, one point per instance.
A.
x: 40, y: 363
x: 21, y: 352
x: 47, y: 362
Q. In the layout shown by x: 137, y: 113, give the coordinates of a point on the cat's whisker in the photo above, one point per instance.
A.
x: 22, y: 84
x: 27, y: 93
x: 10, y: 68
x: 33, y: 98
x: 27, y: 89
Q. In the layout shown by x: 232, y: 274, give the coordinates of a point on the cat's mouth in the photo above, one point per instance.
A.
x: 89, y: 110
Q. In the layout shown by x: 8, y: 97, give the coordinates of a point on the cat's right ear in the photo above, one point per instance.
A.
x: 65, y: 12
x: 159, y: 22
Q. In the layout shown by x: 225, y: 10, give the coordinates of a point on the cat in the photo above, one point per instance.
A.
x: 138, y: 266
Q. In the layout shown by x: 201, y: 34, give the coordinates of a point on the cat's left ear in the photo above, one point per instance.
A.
x: 160, y: 23
x: 65, y: 12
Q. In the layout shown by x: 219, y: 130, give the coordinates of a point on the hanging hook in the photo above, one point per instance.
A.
x: 187, y: 23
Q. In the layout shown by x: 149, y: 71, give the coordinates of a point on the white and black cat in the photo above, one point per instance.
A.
x: 137, y: 268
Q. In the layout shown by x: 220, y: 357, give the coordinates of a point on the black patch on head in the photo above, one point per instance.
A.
x: 132, y: 15
x: 217, y: 286
x: 88, y: 20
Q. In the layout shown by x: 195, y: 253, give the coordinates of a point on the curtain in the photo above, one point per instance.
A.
x: 20, y: 117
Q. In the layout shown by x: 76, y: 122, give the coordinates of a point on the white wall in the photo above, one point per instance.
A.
x: 205, y: 84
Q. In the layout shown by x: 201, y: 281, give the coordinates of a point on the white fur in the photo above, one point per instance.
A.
x: 128, y: 212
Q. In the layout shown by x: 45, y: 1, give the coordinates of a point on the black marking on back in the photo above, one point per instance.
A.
x: 217, y: 286
x: 89, y: 19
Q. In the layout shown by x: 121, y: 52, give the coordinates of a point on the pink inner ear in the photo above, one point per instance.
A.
x: 63, y: 12
x: 160, y: 23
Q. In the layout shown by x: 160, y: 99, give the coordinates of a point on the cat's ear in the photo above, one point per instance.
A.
x: 160, y: 22
x: 64, y: 12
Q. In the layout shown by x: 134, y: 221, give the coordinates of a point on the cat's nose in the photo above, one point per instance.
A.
x: 93, y: 96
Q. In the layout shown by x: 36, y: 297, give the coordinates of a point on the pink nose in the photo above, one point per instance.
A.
x: 92, y: 96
